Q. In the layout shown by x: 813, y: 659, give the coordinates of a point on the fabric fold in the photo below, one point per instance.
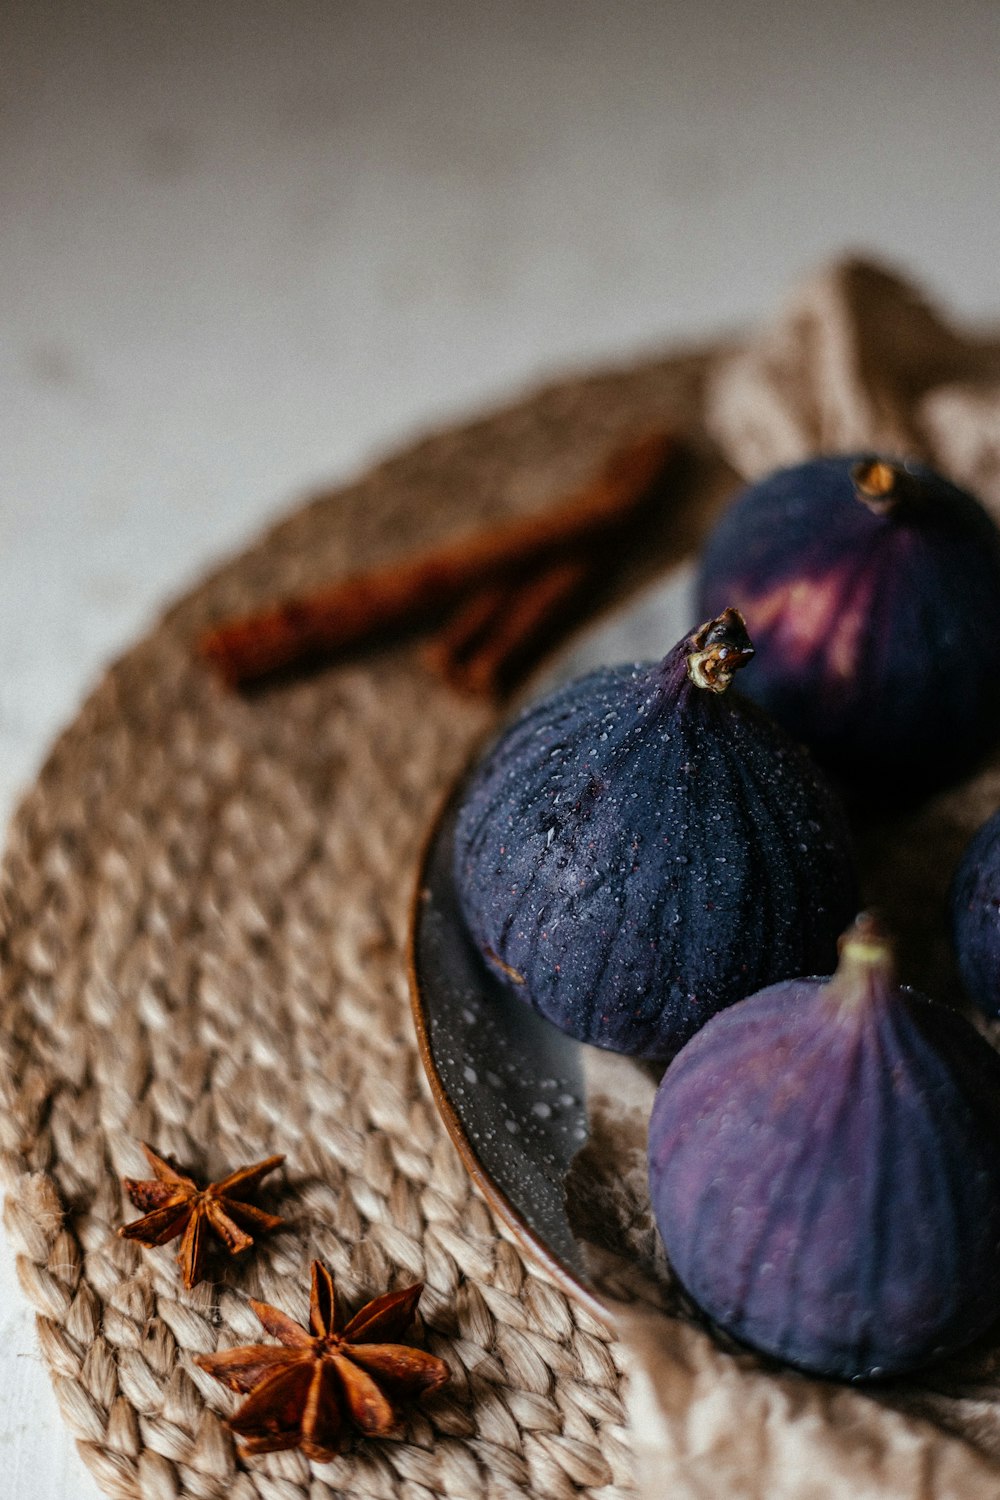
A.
x: 859, y: 360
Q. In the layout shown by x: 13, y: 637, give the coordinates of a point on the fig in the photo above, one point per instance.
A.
x: 824, y: 1169
x: 872, y: 591
x: 642, y: 847
x: 975, y: 917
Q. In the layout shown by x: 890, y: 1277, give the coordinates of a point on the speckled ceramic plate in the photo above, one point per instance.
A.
x: 508, y: 1084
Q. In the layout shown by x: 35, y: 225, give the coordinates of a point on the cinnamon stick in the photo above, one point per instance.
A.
x: 418, y: 590
x: 462, y: 633
x: 522, y: 623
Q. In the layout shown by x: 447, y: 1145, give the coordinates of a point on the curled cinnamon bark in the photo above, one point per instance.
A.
x: 419, y: 591
x: 485, y: 647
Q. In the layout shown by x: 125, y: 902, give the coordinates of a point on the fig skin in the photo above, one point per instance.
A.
x: 975, y: 917
x: 824, y: 1167
x: 872, y: 591
x: 638, y: 851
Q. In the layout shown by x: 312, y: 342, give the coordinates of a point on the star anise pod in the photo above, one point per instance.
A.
x: 175, y: 1205
x: 306, y: 1391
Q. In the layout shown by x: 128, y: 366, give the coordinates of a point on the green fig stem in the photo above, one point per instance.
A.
x: 866, y: 964
x: 717, y: 650
x: 885, y: 487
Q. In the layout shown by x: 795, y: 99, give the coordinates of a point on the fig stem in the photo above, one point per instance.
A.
x: 884, y: 486
x: 866, y: 962
x: 718, y: 649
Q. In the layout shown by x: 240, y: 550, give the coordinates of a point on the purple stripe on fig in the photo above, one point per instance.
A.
x: 871, y: 588
x: 642, y: 846
x: 975, y: 917
x: 824, y: 1164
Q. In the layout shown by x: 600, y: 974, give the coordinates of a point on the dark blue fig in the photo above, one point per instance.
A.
x: 975, y: 917
x: 824, y: 1167
x: 642, y: 848
x: 872, y: 591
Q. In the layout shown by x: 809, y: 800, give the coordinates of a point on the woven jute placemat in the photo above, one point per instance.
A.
x: 204, y: 907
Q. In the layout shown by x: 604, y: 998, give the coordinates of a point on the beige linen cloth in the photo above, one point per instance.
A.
x: 203, y: 904
x: 855, y: 361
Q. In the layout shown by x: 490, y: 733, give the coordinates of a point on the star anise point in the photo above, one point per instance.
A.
x: 175, y: 1206
x: 307, y: 1391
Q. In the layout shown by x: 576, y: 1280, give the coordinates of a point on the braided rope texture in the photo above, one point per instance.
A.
x: 203, y: 905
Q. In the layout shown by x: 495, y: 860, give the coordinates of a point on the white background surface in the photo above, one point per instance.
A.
x: 246, y: 246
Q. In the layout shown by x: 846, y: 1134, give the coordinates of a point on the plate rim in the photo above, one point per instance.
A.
x: 497, y: 1199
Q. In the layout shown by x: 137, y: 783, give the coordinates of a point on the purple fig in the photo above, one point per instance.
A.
x: 975, y: 917
x: 642, y: 847
x: 824, y: 1167
x: 872, y: 591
